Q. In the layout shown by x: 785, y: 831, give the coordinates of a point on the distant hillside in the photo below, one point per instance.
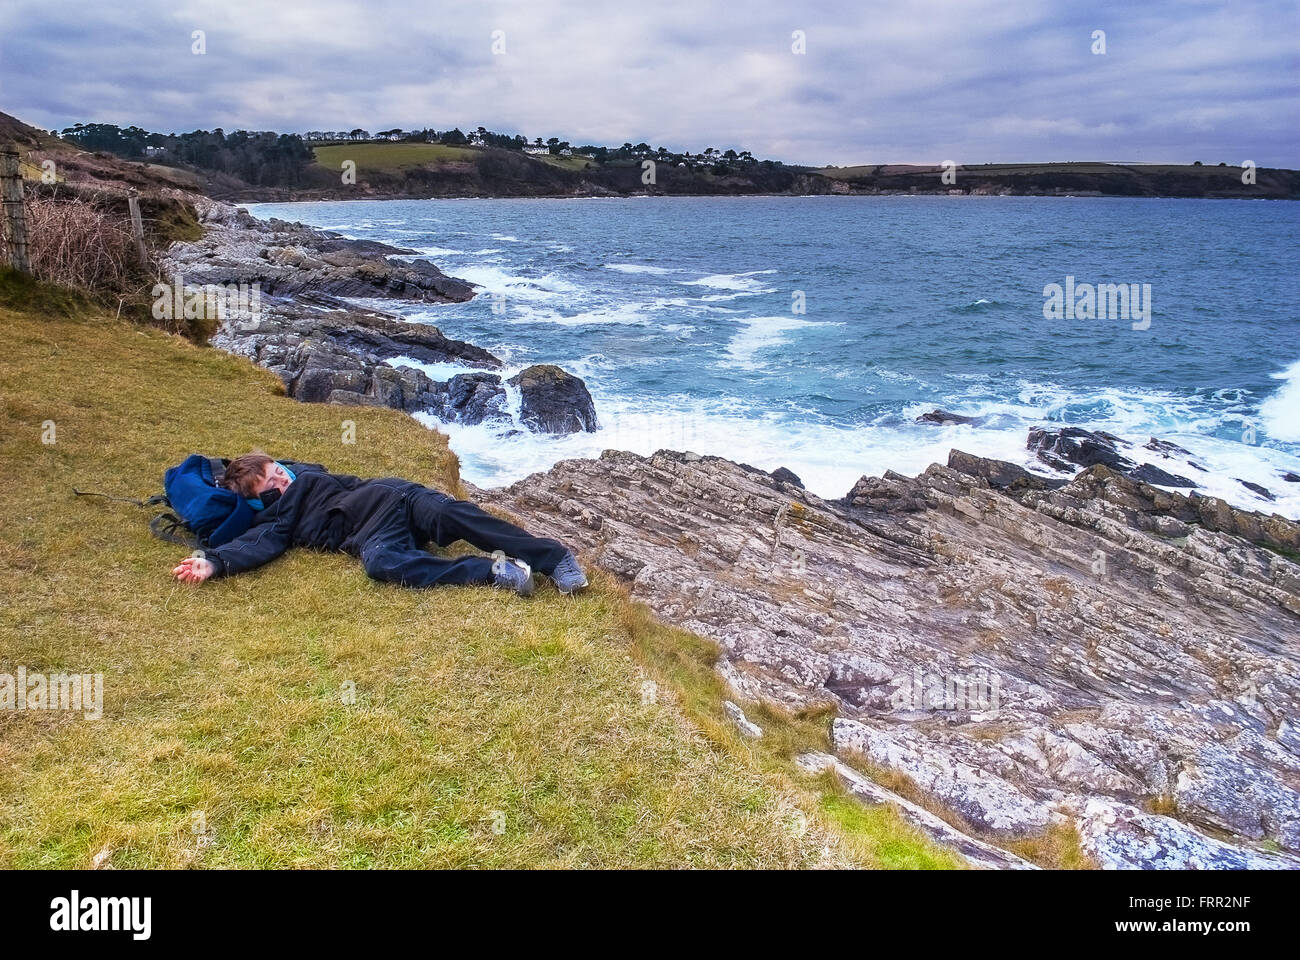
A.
x: 298, y: 170
x: 1077, y: 179
x: 436, y: 170
x: 92, y: 169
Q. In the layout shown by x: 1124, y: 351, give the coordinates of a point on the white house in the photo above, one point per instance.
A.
x: 535, y: 150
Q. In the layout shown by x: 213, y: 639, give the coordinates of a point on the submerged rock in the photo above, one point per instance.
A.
x: 1072, y: 447
x: 1075, y: 447
x: 944, y: 417
x: 1148, y: 473
x: 1256, y: 488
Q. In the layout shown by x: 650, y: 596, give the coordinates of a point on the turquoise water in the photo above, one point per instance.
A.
x: 681, y: 315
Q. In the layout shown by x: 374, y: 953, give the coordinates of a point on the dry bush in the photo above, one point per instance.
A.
x: 81, y: 242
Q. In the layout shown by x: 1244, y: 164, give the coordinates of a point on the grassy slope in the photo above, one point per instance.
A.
x: 475, y: 709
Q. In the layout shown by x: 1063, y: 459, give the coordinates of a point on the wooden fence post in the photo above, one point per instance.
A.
x: 13, y: 218
x: 137, y: 225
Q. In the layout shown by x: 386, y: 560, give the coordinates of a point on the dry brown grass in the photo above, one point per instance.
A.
x: 81, y: 242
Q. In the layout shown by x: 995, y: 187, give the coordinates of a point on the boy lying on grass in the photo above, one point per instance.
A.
x: 384, y: 522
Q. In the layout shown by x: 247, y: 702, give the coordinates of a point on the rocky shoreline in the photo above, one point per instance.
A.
x: 304, y: 327
x: 1095, y: 652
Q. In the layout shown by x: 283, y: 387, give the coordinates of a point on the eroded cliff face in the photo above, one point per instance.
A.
x: 1027, y: 653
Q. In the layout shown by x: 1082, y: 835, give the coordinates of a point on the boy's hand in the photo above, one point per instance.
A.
x: 194, y: 570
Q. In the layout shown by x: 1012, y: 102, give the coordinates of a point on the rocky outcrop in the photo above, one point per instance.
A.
x: 290, y: 260
x: 1072, y: 447
x: 553, y: 401
x: 1093, y: 651
x: 326, y: 350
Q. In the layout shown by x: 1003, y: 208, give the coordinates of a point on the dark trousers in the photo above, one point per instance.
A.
x: 392, y: 548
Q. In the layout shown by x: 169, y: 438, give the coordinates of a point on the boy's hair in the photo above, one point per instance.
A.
x: 244, y: 473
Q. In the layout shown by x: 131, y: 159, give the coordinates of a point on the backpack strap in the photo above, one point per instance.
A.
x: 167, y: 526
x: 91, y: 493
x: 218, y: 467
x: 156, y: 499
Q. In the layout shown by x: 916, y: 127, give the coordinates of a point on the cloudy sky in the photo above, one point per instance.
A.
x: 926, y: 81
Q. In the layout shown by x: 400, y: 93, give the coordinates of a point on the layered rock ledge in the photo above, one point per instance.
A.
x: 304, y: 327
x: 1094, y: 651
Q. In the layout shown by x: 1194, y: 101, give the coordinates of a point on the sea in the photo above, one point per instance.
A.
x: 811, y: 332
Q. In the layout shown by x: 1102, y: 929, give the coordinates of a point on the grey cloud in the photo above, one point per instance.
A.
x: 973, y: 81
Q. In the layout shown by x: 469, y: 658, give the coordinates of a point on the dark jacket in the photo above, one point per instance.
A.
x: 321, y: 510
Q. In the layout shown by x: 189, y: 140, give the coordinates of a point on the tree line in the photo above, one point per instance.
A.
x: 266, y: 158
x: 262, y: 158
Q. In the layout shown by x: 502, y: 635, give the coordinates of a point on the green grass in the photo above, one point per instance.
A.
x: 488, y: 730
x: 391, y: 157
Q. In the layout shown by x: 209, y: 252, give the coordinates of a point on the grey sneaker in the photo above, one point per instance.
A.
x: 568, y: 576
x: 508, y: 574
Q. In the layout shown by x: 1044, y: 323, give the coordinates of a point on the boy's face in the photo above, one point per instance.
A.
x: 274, y: 476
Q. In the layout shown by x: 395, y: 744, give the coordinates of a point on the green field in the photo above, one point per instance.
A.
x: 486, y: 730
x: 391, y: 157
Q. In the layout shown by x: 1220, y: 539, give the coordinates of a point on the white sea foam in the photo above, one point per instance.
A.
x: 495, y: 279
x: 437, y: 371
x: 689, y: 303
x: 1134, y: 416
x: 629, y: 313
x: 742, y: 282
x: 1281, y: 411
x: 636, y: 268
x: 831, y: 457
x: 760, y: 333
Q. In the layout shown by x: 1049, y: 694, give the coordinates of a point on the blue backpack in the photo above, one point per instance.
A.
x: 203, y: 513
x: 212, y: 513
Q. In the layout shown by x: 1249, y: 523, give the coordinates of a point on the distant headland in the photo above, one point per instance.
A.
x: 250, y: 166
